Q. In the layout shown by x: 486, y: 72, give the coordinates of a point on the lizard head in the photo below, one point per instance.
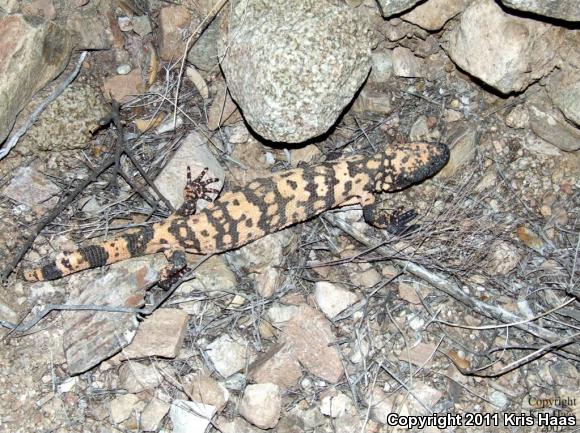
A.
x: 410, y: 163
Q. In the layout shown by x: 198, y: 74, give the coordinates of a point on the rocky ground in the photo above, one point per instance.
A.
x: 330, y: 325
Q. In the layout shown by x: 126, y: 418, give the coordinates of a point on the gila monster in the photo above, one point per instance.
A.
x: 265, y: 205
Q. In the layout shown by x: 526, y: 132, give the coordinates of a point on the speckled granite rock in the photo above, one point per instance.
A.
x: 292, y: 66
x: 67, y: 123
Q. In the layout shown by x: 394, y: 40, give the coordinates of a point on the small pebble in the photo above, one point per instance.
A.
x: 123, y: 69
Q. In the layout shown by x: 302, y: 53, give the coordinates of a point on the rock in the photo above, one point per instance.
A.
x: 332, y: 298
x: 382, y: 69
x: 498, y: 399
x: 223, y: 110
x: 394, y: 7
x: 67, y: 123
x: 91, y: 26
x: 201, y: 387
x: 136, y: 377
x: 141, y: 25
x: 371, y: 100
x: 420, y: 354
x: 566, y: 10
x: 174, y: 23
x: 237, y: 425
x: 261, y: 259
x: 308, y: 335
x: 381, y: 405
x: 193, y: 152
x: 213, y: 277
x: 279, y: 315
x: 564, y: 91
x: 204, y: 52
x: 405, y: 64
x: 32, y: 53
x: 423, y: 129
x: 227, y: 355
x: 367, y: 278
x: 463, y: 148
x: 276, y: 366
x: 335, y: 406
x: 123, y: 88
x: 161, y: 334
x: 504, y: 259
x: 198, y: 81
x: 407, y: 293
x: 91, y: 336
x: 261, y: 405
x: 122, y: 407
x: 523, y: 50
x: 190, y: 416
x: 518, y: 118
x: 239, y: 134
x: 433, y: 14
x: 293, y: 66
x: 153, y: 414
x: 309, y: 153
x: 550, y: 125
x: 348, y: 423
x: 31, y: 187
x: 426, y: 395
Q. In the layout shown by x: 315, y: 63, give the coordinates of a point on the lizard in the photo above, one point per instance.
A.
x: 263, y: 206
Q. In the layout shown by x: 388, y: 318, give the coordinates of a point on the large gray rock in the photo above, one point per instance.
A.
x: 568, y: 10
x: 504, y: 51
x: 293, y: 66
x: 32, y: 53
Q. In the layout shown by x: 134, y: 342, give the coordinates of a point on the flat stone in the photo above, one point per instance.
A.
x: 223, y: 110
x: 276, y: 366
x: 174, y: 22
x: 32, y: 188
x: 193, y: 152
x: 433, y: 14
x: 32, y: 53
x: 261, y: 405
x: 227, y: 355
x: 153, y: 414
x: 213, y: 277
x: 123, y: 88
x: 201, y: 387
x: 92, y: 336
x: 190, y: 416
x: 551, y: 126
x: 136, y: 377
x: 332, y: 298
x: 406, y: 64
x: 309, y: 337
x: 419, y: 354
x: 122, y: 407
x: 160, y: 334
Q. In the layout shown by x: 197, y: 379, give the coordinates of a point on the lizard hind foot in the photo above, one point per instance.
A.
x: 175, y: 270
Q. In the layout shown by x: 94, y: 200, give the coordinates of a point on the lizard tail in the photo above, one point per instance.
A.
x: 86, y: 257
x: 100, y: 254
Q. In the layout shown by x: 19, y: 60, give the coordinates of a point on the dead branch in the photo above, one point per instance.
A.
x: 450, y: 288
